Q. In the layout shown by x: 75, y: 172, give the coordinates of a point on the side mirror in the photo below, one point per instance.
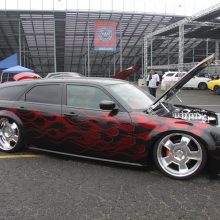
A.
x: 107, y: 105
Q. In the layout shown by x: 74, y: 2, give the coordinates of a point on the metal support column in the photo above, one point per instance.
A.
x: 168, y: 54
x: 193, y: 55
x: 85, y: 66
x: 114, y: 64
x: 142, y: 62
x: 120, y: 48
x: 181, y: 48
x: 19, y: 33
x: 109, y: 69
x: 54, y: 47
x: 207, y: 47
x: 151, y: 52
x: 145, y: 57
x: 88, y: 61
x: 24, y: 53
x: 28, y: 60
x: 217, y: 49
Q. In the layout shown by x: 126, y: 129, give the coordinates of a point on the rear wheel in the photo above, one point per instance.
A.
x: 202, y: 86
x: 179, y: 155
x: 10, y: 135
x: 217, y: 90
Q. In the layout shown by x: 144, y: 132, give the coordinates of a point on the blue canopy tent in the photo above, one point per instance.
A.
x: 17, y: 69
x: 7, y: 75
x: 9, y: 62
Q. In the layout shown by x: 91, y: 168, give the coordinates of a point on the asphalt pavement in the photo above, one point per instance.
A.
x: 47, y: 186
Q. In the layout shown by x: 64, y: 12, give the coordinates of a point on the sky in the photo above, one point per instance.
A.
x: 172, y: 7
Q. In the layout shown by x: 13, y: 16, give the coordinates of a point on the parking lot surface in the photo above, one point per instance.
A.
x: 47, y: 186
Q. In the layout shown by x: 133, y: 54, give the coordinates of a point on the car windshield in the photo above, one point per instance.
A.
x: 133, y: 96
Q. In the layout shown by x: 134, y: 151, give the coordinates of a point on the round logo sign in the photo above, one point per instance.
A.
x: 105, y: 34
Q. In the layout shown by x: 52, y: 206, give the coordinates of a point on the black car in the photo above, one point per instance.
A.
x: 111, y: 120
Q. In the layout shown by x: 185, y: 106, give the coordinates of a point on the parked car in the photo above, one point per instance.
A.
x: 9, y: 77
x: 26, y: 76
x: 110, y: 120
x: 124, y: 74
x: 214, y: 85
x: 170, y: 78
x: 59, y: 75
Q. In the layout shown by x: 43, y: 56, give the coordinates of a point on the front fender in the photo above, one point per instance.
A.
x: 151, y: 128
x: 206, y: 139
x: 198, y: 130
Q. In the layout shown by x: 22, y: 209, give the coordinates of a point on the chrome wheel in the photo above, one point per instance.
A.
x: 180, y: 155
x: 9, y: 135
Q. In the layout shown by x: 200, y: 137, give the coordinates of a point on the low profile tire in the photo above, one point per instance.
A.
x: 179, y: 155
x: 217, y: 90
x: 202, y: 86
x: 10, y: 136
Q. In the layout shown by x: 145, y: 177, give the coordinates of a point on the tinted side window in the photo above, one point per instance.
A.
x: 85, y: 96
x: 12, y: 92
x: 49, y: 94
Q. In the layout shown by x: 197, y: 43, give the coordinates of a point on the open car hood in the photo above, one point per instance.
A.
x: 179, y: 84
x: 126, y: 73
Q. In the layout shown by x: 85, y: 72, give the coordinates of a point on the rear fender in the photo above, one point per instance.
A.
x: 13, y: 116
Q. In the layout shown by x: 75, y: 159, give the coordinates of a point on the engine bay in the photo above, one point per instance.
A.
x: 186, y: 113
x: 194, y: 114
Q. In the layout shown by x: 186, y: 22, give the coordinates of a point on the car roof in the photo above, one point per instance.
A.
x: 63, y: 73
x: 86, y: 80
x: 175, y: 72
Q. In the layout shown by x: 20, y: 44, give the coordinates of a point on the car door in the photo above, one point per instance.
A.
x: 173, y: 79
x: 167, y: 81
x: 192, y: 83
x: 40, y: 112
x: 94, y: 132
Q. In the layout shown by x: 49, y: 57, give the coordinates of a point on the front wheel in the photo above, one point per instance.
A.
x: 202, y: 86
x: 179, y: 155
x: 10, y: 135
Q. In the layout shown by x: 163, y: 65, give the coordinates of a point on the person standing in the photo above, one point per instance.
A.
x: 153, y: 81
